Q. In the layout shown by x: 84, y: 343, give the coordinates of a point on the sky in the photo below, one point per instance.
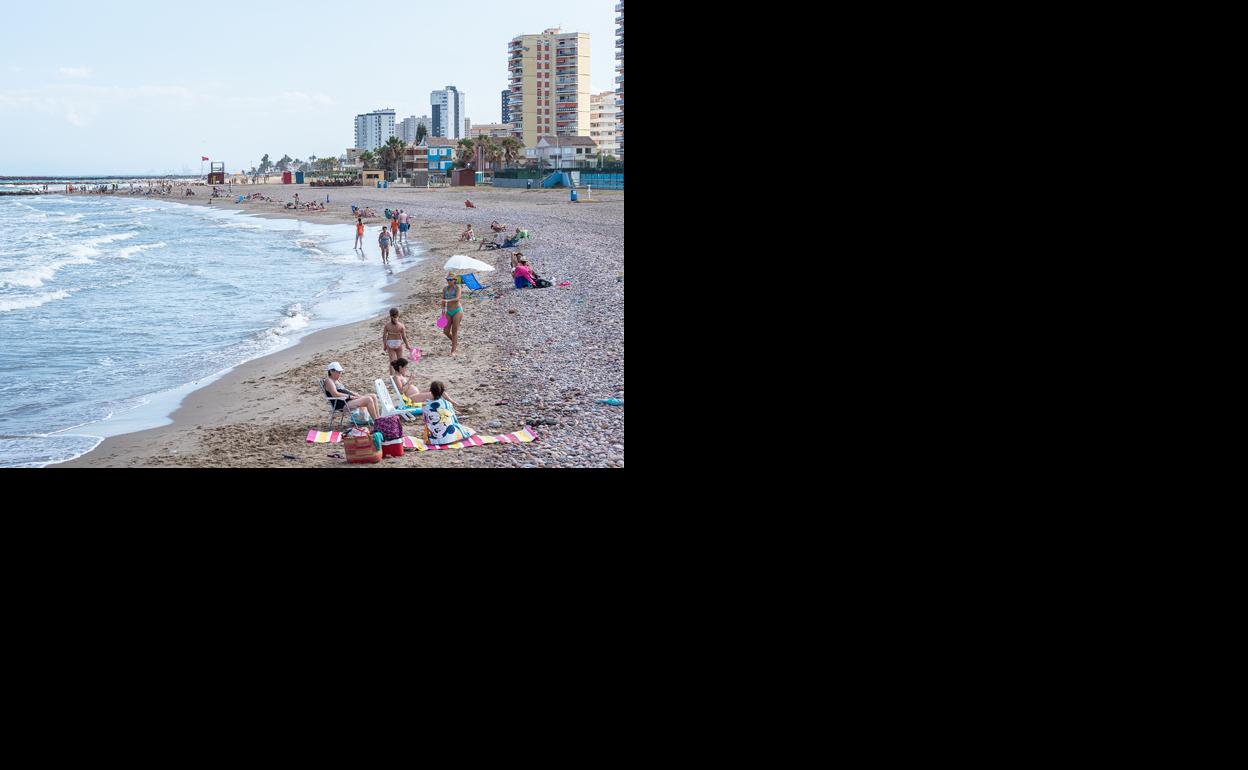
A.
x: 139, y: 87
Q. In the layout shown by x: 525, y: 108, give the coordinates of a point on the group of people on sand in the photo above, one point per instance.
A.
x: 441, y: 423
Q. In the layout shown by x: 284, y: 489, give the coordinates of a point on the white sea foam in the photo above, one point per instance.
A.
x: 129, y: 251
x: 23, y: 303
x: 34, y: 277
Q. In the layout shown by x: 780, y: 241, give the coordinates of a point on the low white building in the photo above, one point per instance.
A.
x: 563, y: 151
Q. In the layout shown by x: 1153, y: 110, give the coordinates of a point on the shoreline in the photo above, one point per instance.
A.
x: 261, y: 409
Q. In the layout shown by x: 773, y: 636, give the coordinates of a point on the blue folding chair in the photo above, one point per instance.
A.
x: 471, y: 283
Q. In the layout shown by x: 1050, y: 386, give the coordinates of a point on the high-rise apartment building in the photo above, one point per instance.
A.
x: 448, y: 113
x: 619, y: 79
x: 549, y: 78
x: 506, y: 115
x: 372, y: 129
x: 602, y: 123
x: 407, y: 129
x: 467, y: 126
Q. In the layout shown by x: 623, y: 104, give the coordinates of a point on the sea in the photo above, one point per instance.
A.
x: 114, y: 307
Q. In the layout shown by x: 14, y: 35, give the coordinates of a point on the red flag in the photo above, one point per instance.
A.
x: 201, y: 157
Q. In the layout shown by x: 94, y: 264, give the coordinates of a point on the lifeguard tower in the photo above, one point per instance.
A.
x: 216, y: 174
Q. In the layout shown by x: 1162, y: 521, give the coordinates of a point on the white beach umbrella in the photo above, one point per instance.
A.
x: 464, y: 262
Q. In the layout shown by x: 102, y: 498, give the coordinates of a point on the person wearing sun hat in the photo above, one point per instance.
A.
x: 345, y: 398
x: 451, y: 295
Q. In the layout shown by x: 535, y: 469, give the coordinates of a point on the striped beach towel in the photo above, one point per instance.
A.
x: 324, y: 437
x: 522, y: 436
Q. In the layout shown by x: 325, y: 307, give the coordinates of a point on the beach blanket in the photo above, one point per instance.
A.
x: 522, y: 436
x: 324, y: 437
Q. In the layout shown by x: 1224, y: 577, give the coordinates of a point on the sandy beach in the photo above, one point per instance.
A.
x: 527, y: 357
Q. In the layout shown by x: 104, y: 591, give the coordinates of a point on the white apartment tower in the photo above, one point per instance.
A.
x: 603, y: 126
x: 619, y: 79
x: 549, y: 80
x: 448, y: 113
x: 373, y: 129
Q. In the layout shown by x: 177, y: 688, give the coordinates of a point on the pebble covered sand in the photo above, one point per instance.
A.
x: 541, y: 358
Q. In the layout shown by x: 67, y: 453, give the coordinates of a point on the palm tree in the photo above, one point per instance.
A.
x: 483, y: 147
x: 421, y: 132
x: 511, y: 148
x: 463, y: 154
x: 392, y: 153
x: 369, y: 160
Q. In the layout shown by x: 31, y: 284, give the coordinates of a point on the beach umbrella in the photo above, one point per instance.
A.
x: 464, y: 262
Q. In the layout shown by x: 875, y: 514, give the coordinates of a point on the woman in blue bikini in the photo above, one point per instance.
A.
x: 454, y: 313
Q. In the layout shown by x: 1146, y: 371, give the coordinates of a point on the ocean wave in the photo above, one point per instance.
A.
x: 294, y: 318
x: 24, y: 303
x: 34, y: 277
x: 129, y: 251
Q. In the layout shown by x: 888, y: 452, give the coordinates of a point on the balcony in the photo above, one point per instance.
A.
x: 620, y: 20
x: 619, y: 54
x: 620, y: 79
x: 619, y: 7
x: 619, y: 30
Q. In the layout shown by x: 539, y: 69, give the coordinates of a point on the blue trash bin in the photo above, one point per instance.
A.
x: 386, y: 184
x: 574, y: 195
x: 379, y: 185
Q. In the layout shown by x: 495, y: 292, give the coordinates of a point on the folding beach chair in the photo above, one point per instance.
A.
x: 340, y: 411
x: 470, y: 282
x: 387, y: 405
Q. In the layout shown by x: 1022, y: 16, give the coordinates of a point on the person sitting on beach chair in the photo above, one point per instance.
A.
x: 499, y: 242
x: 344, y: 398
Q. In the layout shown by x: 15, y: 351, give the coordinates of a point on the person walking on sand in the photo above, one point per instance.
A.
x: 394, y: 227
x: 394, y: 336
x: 359, y: 233
x: 383, y: 240
x: 451, y: 295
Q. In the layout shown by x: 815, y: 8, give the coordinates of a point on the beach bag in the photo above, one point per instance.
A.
x: 361, y: 449
x: 391, y: 427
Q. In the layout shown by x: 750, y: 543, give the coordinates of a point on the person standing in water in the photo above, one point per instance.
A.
x: 383, y: 240
x: 394, y: 336
x: 359, y: 233
x: 451, y: 295
x: 403, y: 224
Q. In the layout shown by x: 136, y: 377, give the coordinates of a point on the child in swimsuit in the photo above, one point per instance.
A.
x: 394, y: 336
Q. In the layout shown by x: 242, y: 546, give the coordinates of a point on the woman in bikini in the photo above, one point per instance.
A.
x: 394, y: 336
x: 394, y: 231
x: 454, y: 313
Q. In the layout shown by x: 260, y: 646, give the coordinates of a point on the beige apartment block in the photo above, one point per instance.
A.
x: 549, y: 82
x: 602, y: 122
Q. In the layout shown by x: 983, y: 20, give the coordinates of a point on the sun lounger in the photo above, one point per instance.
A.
x: 387, y: 404
x: 417, y: 408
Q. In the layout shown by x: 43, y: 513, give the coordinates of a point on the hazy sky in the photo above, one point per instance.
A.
x: 140, y: 87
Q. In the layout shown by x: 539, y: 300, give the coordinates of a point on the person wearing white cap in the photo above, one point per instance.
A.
x: 347, y: 399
